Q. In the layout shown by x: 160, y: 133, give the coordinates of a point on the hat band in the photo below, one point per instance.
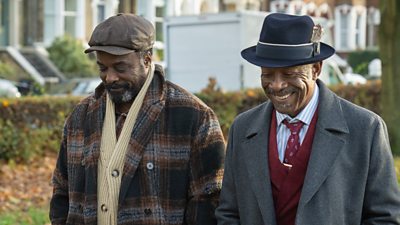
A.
x: 288, y: 52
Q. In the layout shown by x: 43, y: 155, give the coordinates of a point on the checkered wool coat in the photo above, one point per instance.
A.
x: 177, y: 134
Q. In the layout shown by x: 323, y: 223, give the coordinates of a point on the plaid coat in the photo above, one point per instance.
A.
x: 173, y: 167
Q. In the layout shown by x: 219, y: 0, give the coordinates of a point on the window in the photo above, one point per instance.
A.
x: 70, y: 9
x: 279, y: 6
x: 101, y: 11
x: 159, y: 23
x: 350, y: 27
x: 4, y: 27
x: 70, y: 5
x: 358, y: 31
x: 324, y: 11
x: 343, y: 23
x: 373, y: 23
x: 344, y: 31
x: 160, y: 12
x: 297, y: 7
x: 359, y: 14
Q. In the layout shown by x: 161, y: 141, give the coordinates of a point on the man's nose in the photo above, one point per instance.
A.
x: 111, y: 76
x: 277, y: 83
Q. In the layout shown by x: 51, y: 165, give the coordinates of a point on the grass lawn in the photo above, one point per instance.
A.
x: 33, y: 216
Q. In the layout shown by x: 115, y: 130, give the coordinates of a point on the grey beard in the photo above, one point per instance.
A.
x: 127, y: 96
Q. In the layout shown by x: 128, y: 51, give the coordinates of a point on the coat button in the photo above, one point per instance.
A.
x: 147, y: 212
x: 150, y: 165
x: 115, y: 173
x: 104, y: 208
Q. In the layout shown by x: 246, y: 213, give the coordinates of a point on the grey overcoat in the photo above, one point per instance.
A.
x: 350, y: 178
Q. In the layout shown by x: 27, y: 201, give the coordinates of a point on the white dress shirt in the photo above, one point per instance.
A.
x: 305, y: 116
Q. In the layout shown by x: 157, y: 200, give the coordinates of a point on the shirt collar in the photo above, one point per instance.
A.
x: 306, y: 114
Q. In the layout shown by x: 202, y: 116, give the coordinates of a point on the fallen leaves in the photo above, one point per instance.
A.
x: 26, y: 185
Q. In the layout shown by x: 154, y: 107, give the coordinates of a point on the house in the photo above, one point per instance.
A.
x: 354, y: 23
x: 27, y: 27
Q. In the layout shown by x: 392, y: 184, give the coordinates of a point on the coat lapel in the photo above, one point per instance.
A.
x: 327, y: 143
x: 142, y: 132
x: 255, y: 149
x: 93, y: 128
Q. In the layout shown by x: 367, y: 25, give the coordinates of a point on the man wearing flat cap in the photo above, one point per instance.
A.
x: 306, y: 156
x: 140, y: 150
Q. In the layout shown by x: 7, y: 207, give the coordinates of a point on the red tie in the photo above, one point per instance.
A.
x: 293, y: 143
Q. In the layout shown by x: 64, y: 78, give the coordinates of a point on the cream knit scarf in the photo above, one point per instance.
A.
x: 113, y: 151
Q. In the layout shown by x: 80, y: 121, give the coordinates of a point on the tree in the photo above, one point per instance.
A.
x: 389, y: 45
x: 67, y: 53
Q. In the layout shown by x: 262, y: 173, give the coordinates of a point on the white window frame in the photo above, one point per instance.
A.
x: 356, y: 33
x: 96, y: 15
x: 297, y: 8
x: 53, y: 20
x: 325, y: 8
x: 359, y: 25
x: 72, y: 14
x: 339, y: 12
x: 110, y: 9
x: 159, y: 21
x: 373, y: 20
x: 310, y: 8
x: 281, y: 6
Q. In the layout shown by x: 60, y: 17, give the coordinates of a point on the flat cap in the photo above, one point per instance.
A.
x: 122, y: 34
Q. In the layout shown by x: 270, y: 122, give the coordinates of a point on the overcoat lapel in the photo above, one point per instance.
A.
x: 327, y: 143
x: 255, y: 148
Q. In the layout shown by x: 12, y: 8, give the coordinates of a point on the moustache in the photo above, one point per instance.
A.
x: 282, y: 92
x: 111, y: 86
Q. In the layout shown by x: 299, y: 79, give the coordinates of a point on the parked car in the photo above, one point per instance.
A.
x: 335, y: 71
x: 354, y: 79
x: 331, y: 74
x: 85, y: 86
x: 8, y: 89
x: 76, y: 87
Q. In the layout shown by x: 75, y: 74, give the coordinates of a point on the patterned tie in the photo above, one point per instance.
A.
x: 293, y: 143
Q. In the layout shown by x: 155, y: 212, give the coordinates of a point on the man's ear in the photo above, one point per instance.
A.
x: 316, y: 69
x: 147, y: 59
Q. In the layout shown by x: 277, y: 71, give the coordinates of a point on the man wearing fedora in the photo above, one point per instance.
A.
x: 306, y: 156
x: 140, y: 150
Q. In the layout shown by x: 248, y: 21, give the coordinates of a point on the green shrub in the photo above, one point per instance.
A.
x: 397, y: 166
x: 7, y: 71
x: 227, y: 105
x: 359, y: 60
x: 367, y: 96
x: 14, y: 142
x: 67, y: 54
x: 32, y: 126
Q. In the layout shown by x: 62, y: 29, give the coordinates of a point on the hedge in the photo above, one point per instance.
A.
x: 32, y: 126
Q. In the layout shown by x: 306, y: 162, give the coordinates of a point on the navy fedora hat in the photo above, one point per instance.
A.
x: 288, y: 40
